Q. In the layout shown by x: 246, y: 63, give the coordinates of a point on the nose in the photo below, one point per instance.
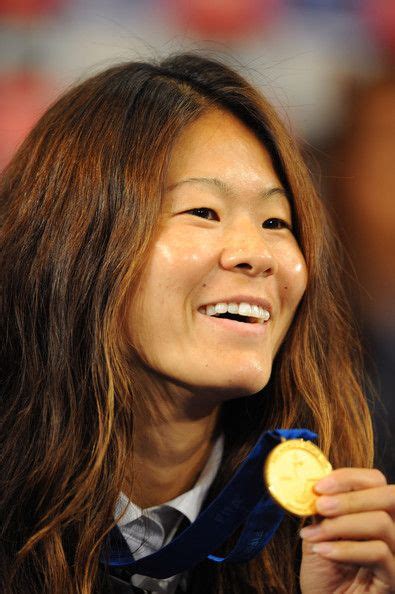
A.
x: 246, y: 250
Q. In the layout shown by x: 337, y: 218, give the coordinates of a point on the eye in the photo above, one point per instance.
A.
x: 276, y: 224
x: 204, y: 213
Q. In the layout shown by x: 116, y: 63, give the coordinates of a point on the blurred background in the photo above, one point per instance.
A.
x: 327, y: 65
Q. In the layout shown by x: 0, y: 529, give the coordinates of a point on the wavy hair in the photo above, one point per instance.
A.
x: 79, y: 206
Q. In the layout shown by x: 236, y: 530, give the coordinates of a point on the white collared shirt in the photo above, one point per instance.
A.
x: 146, y: 531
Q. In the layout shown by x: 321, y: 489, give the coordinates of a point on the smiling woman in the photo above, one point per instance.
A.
x: 170, y: 289
x: 225, y: 240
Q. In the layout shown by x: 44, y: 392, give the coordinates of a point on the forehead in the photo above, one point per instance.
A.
x: 220, y: 145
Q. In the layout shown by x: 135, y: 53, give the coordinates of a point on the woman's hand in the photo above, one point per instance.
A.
x: 352, y: 548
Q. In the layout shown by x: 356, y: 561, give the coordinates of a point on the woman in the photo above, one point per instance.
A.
x: 143, y: 201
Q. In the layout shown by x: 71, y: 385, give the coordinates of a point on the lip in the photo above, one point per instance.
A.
x: 241, y: 299
x: 246, y: 330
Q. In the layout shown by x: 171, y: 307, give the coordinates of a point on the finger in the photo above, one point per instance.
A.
x: 343, y: 480
x: 377, y: 525
x: 353, y: 502
x: 373, y: 554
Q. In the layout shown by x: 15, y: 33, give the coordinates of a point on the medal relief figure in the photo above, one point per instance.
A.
x: 172, y: 306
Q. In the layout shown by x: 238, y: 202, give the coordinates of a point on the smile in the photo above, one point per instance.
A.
x: 238, y: 312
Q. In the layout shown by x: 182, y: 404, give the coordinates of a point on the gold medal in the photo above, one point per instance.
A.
x: 291, y: 470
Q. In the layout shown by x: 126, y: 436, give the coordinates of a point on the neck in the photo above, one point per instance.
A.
x: 169, y: 454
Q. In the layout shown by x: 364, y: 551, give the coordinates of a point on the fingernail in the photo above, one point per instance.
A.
x: 310, y: 531
x: 325, y: 485
x: 322, y: 548
x: 327, y: 504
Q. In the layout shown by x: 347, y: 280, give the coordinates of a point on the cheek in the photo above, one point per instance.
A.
x: 177, y: 266
x: 293, y: 279
x: 178, y: 260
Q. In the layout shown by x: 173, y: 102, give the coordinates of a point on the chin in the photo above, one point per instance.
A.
x: 232, y: 379
x: 245, y: 382
x: 238, y: 389
x: 250, y: 377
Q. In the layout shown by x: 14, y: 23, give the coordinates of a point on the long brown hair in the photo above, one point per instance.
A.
x: 79, y: 209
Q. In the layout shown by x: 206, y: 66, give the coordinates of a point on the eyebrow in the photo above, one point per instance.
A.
x: 225, y: 188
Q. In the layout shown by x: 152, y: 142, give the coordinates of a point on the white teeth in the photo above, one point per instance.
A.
x: 221, y: 308
x: 245, y: 309
x: 242, y: 309
x: 255, y: 311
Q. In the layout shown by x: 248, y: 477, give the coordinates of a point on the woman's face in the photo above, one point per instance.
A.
x: 225, y: 239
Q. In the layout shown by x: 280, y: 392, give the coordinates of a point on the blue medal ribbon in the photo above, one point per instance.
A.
x: 244, y: 500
